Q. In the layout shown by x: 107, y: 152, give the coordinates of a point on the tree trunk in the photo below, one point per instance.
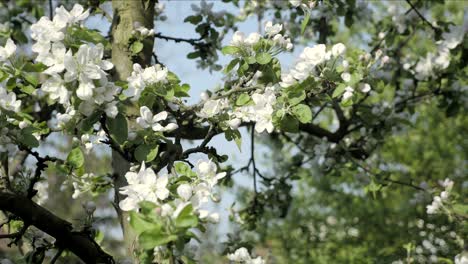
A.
x: 126, y: 15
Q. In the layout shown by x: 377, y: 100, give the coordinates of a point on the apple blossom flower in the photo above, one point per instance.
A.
x: 338, y: 49
x: 147, y: 119
x: 349, y: 91
x: 364, y: 87
x: 55, y: 88
x: 212, y: 108
x: 346, y: 76
x: 140, y: 78
x: 75, y: 15
x: 143, y: 186
x: 315, y: 55
x: 271, y: 29
x: 184, y: 191
x: 8, y: 100
x: 8, y: 50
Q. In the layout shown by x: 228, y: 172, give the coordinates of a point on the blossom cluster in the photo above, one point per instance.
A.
x: 84, y: 68
x: 438, y: 201
x: 147, y: 119
x: 440, y: 60
x: 141, y: 78
x: 242, y: 256
x: 147, y: 186
x: 314, y: 59
x: 260, y: 111
x: 272, y: 32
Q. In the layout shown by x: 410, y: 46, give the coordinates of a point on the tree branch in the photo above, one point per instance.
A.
x: 81, y: 244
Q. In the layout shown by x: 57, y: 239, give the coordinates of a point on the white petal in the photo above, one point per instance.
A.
x: 160, y: 116
x: 10, y: 47
x: 146, y: 114
x: 162, y: 193
x: 128, y: 204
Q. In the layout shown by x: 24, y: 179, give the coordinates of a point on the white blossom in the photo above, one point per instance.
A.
x: 75, y: 15
x: 241, y: 255
x: 295, y: 3
x: 143, y: 186
x: 338, y: 49
x: 184, y: 191
x: 56, y: 89
x: 315, y: 55
x: 8, y: 50
x: 461, y: 258
x: 8, y: 100
x: 85, y: 66
x: 349, y: 91
x: 140, y: 78
x: 212, y: 108
x: 453, y: 37
x: 364, y: 87
x: 271, y: 29
x: 147, y: 119
x: 346, y: 76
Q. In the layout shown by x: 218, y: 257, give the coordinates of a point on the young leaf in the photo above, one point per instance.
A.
x: 305, y: 22
x: 155, y: 237
x: 339, y: 90
x: 230, y: 50
x: 146, y: 153
x: 75, y: 158
x: 186, y: 218
x: 303, y: 113
x: 243, y: 99
x: 118, y: 128
x: 263, y: 58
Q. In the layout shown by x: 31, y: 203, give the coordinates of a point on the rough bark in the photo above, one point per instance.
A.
x: 126, y: 15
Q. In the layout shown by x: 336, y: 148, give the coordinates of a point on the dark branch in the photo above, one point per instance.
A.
x: 192, y: 41
x: 436, y: 30
x: 81, y: 244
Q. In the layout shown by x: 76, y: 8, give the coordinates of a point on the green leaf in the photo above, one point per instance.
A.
x: 118, y: 128
x: 234, y: 135
x: 296, y: 96
x: 193, y: 19
x: 303, y: 113
x: 231, y: 65
x: 193, y: 55
x: 30, y: 78
x: 182, y: 169
x: 75, y: 158
x: 146, y: 153
x: 186, y: 218
x: 88, y: 122
x: 28, y: 89
x: 139, y: 224
x: 34, y: 67
x: 305, y: 22
x: 155, y: 237
x: 263, y: 58
x: 243, y: 99
x: 339, y: 90
x: 26, y: 138
x: 461, y: 209
x: 136, y: 47
x: 289, y: 124
x: 230, y: 50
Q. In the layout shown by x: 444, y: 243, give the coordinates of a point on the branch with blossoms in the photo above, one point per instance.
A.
x: 143, y: 118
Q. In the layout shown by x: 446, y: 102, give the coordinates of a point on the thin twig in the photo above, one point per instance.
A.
x: 436, y: 30
x: 252, y: 157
